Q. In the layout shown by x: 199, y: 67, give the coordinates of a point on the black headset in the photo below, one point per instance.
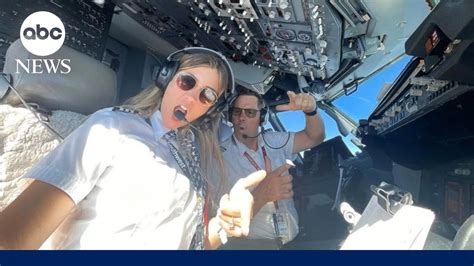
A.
x: 244, y: 91
x: 171, y: 66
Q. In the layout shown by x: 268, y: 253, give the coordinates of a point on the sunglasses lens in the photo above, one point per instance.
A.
x: 236, y: 111
x: 186, y: 82
x: 208, y: 96
x: 250, y: 113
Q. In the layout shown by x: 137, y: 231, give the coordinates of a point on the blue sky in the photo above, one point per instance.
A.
x: 358, y: 105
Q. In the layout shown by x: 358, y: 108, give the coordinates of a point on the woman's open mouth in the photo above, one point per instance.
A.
x: 179, y: 112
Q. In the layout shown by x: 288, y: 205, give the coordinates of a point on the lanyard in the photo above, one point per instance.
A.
x: 254, y: 163
x: 202, y: 211
x: 180, y: 160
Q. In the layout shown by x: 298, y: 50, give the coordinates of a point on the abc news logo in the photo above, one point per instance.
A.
x: 42, y: 34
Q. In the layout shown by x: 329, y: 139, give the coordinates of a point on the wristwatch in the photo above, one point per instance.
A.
x: 313, y: 113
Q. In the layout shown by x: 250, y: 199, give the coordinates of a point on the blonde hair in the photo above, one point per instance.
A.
x: 149, y: 101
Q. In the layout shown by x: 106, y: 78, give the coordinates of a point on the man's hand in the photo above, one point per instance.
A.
x: 300, y: 101
x: 235, y: 208
x: 276, y: 185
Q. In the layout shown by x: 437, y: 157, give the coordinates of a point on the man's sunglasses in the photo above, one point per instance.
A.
x: 187, y: 82
x: 250, y: 113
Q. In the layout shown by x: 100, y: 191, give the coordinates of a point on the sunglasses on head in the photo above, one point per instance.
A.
x: 187, y: 82
x: 250, y: 113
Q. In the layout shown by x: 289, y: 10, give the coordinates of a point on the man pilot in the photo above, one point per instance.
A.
x: 275, y: 220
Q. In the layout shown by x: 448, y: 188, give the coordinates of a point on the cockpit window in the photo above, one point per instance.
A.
x: 293, y: 122
x: 361, y: 103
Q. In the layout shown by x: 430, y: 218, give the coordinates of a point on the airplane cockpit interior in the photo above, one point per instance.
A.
x: 418, y: 142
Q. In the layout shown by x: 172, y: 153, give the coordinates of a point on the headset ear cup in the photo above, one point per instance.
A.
x: 229, y: 114
x: 231, y: 106
x: 167, y: 72
x: 263, y: 116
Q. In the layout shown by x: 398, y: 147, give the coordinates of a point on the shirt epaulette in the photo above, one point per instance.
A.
x: 125, y: 110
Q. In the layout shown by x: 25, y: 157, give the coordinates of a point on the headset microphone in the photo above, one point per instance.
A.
x: 262, y: 131
x: 250, y: 137
x: 180, y: 115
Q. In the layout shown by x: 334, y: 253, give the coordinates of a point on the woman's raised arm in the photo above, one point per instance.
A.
x: 29, y: 220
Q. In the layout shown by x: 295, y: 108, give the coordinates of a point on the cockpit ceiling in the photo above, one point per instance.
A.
x: 313, y: 38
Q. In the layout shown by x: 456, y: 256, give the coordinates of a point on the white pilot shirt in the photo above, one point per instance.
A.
x: 238, y: 166
x: 128, y: 189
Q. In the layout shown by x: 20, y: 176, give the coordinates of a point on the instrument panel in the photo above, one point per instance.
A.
x: 419, y: 96
x: 305, y: 38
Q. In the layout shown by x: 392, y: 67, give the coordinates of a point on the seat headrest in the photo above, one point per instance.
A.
x: 89, y: 86
x: 225, y: 131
